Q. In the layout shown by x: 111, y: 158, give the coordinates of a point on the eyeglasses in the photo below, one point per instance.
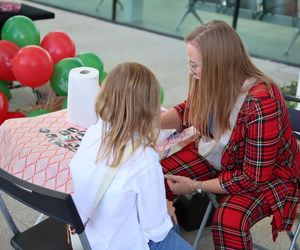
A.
x: 193, y: 66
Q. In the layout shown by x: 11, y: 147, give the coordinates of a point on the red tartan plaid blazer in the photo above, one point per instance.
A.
x: 262, y: 155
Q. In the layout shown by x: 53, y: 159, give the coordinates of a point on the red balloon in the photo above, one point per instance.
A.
x: 7, y: 51
x: 3, y: 107
x: 11, y: 115
x: 32, y: 66
x: 59, y: 45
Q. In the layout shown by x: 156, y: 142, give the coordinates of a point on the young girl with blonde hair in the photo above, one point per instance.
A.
x: 245, y: 150
x: 133, y: 212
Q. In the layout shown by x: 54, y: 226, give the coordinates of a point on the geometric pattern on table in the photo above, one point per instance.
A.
x: 28, y: 153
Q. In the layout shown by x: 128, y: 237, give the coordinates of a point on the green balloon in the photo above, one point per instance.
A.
x: 60, y: 76
x: 64, y: 104
x: 162, y: 95
x: 90, y: 59
x: 20, y: 30
x: 103, y: 76
x: 4, y: 87
x: 38, y: 112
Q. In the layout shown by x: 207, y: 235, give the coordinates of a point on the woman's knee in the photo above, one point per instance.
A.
x: 231, y: 218
x: 231, y: 229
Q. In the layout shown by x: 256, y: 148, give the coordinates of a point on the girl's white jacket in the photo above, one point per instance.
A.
x: 133, y: 209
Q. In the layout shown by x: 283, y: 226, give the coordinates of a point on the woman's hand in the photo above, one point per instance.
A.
x: 180, y: 184
x: 171, y: 211
x: 170, y: 120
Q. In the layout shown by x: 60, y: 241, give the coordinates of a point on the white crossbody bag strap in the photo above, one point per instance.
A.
x: 108, y: 178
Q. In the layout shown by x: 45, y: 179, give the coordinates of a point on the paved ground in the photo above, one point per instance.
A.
x: 167, y: 58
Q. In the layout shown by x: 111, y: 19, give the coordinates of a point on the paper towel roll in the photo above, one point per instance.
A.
x: 83, y: 88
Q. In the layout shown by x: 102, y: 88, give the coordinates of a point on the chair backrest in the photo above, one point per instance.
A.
x: 49, y: 202
x: 294, y: 115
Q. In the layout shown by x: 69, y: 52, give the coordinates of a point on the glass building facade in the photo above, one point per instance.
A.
x: 269, y: 28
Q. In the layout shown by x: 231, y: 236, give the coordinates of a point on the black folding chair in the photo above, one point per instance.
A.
x: 295, y: 118
x: 49, y: 234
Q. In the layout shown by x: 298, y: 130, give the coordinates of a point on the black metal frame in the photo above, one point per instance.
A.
x: 58, y: 206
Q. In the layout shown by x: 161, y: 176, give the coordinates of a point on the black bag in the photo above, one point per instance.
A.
x: 190, y: 210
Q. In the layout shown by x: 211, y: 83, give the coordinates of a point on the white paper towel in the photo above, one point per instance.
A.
x: 83, y: 88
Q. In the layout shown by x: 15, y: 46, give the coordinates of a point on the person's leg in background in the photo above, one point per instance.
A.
x: 187, y: 162
x: 234, y: 218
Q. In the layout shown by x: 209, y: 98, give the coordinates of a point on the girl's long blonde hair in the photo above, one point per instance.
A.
x: 225, y: 66
x: 129, y: 106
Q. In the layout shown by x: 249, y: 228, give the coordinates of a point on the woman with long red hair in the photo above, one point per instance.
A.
x: 245, y: 147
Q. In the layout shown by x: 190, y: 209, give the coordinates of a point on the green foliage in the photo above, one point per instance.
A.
x: 290, y: 90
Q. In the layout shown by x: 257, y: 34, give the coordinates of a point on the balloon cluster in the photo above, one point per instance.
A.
x: 33, y: 62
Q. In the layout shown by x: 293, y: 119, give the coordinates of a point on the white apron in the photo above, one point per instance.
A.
x: 211, y: 149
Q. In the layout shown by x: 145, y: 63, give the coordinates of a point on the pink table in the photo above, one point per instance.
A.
x: 39, y: 149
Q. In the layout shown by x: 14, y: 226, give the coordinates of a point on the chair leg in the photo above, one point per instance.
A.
x: 182, y: 19
x: 212, y: 202
x: 98, y: 6
x: 212, y: 198
x: 40, y: 218
x: 259, y: 247
x: 84, y: 241
x: 293, y: 237
x: 297, y: 33
x: 121, y: 5
x: 197, y: 16
x: 203, y: 223
x: 8, y: 217
x: 190, y: 9
x: 118, y: 2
